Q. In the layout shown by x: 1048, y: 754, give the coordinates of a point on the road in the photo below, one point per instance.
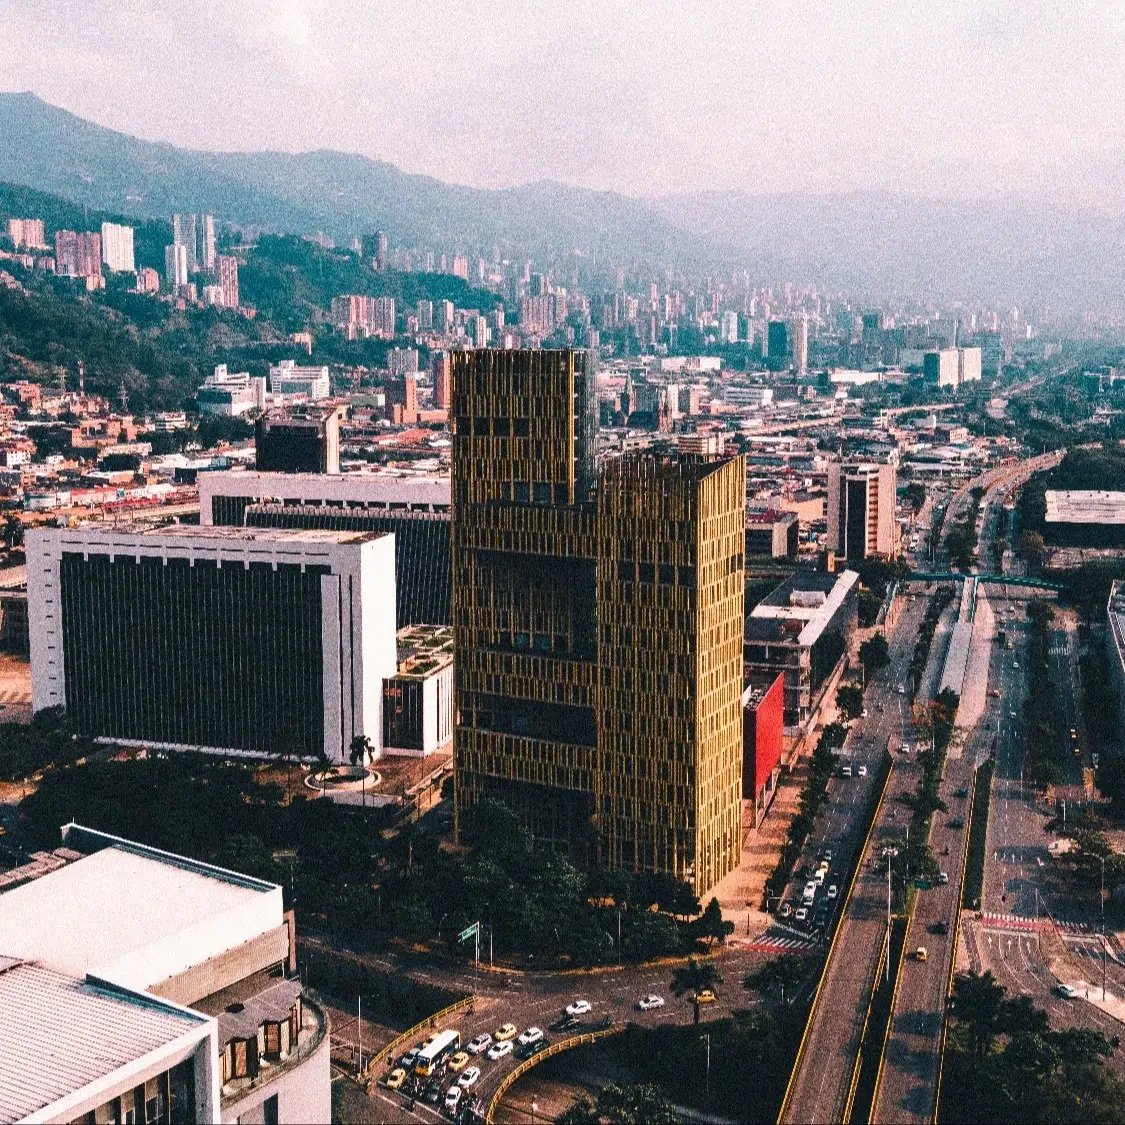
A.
x: 537, y: 999
x: 823, y: 1074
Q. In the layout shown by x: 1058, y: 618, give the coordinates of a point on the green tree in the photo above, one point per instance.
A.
x: 636, y: 1105
x: 874, y: 653
x: 781, y: 976
x: 691, y: 979
x: 849, y: 700
x: 712, y: 926
x: 977, y: 1003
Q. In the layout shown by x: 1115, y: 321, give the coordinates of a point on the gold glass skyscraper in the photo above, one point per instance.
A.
x: 598, y: 623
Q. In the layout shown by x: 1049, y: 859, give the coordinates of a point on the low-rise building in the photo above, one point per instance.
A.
x: 771, y: 532
x: 763, y: 724
x: 190, y: 1011
x: 418, y: 698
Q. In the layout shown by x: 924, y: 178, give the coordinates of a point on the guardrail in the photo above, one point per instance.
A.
x: 583, y: 1040
x: 859, y: 859
x: 380, y: 1056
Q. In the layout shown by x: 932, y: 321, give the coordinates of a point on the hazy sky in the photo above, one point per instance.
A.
x: 642, y: 97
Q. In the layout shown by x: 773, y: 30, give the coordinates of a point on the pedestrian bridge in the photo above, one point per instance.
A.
x: 1003, y: 579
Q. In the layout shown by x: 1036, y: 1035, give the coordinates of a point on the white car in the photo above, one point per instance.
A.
x: 650, y: 1002
x: 481, y: 1043
x: 453, y: 1099
x: 1067, y: 990
x: 531, y: 1035
x: 468, y: 1077
x: 499, y: 1050
x: 802, y: 914
x: 862, y: 771
x: 578, y: 1008
x: 833, y: 891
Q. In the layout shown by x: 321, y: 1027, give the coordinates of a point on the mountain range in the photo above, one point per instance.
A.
x: 873, y: 245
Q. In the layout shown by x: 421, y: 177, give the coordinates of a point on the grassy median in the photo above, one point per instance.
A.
x: 978, y: 832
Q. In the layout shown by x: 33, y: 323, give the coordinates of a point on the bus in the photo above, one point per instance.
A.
x: 434, y: 1050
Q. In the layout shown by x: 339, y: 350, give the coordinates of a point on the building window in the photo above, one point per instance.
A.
x: 269, y: 1110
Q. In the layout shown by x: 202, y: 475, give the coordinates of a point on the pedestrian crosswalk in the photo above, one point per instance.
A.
x: 1022, y: 922
x: 15, y: 698
x: 773, y: 943
x: 1059, y: 650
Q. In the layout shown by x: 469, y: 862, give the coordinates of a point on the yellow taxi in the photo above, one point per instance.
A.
x: 459, y: 1061
x: 396, y: 1078
x: 920, y: 954
x: 705, y: 996
x: 505, y: 1032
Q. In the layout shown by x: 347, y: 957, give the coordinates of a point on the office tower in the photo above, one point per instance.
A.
x: 226, y: 639
x: 207, y: 244
x: 78, y: 254
x: 777, y: 344
x: 445, y: 317
x: 227, y: 270
x: 598, y: 636
x: 442, y: 367
x: 117, y: 247
x: 27, y: 234
x: 175, y: 266
x: 861, y: 510
x: 415, y: 509
x: 478, y: 331
x: 801, y: 345
x: 308, y: 442
x: 402, y: 401
x: 728, y: 328
x: 184, y: 234
x: 425, y: 316
x: 380, y: 251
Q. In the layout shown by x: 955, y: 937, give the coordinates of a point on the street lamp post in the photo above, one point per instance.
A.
x: 707, y: 1071
x: 1101, y: 903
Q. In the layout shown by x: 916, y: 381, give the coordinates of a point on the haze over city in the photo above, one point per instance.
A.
x: 948, y: 100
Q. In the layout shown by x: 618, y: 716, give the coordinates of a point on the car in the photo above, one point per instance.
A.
x: 819, y: 877
x: 962, y: 793
x: 920, y: 954
x: 802, y: 914
x: 810, y: 890
x: 826, y: 855
x: 905, y: 747
x: 530, y: 1036
x: 1015, y: 663
x: 565, y: 1023
x: 479, y: 1043
x: 1068, y: 991
x: 505, y: 1032
x: 578, y: 1008
x: 833, y: 891
x: 900, y: 690
x: 469, y: 1077
x: 1011, y: 714
x: 530, y: 1049
x: 863, y: 715
x: 995, y: 693
x: 458, y: 1061
x: 941, y: 928
x: 943, y: 878
x: 956, y: 822
x: 396, y: 1078
x: 862, y: 771
x: 845, y: 771
x: 705, y: 996
x: 647, y: 1003
x: 453, y: 1100
x: 409, y: 1059
x: 432, y: 1093
x: 785, y: 910
x: 500, y: 1049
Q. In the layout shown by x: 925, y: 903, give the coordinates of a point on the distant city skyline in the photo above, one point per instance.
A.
x: 956, y: 100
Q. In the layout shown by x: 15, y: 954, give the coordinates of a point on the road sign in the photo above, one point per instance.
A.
x: 465, y: 934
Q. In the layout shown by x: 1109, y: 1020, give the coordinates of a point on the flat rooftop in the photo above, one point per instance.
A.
x: 1085, y: 506
x: 131, y: 914
x: 60, y: 1033
x: 809, y: 599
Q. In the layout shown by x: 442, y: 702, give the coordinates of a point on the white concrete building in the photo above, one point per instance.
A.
x: 156, y: 988
x: 117, y: 247
x: 288, y: 380
x: 230, y: 640
x: 231, y: 393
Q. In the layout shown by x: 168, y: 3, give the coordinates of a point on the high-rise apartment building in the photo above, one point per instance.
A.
x: 175, y: 266
x: 777, y: 344
x: 598, y: 623
x: 184, y: 234
x: 227, y: 269
x: 861, y: 510
x: 402, y: 361
x: 801, y: 345
x: 444, y: 316
x: 78, y: 254
x: 207, y: 243
x: 425, y: 316
x: 117, y: 247
x: 27, y: 234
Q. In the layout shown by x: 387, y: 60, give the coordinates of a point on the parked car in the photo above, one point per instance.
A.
x: 647, y: 1003
x: 1067, y: 990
